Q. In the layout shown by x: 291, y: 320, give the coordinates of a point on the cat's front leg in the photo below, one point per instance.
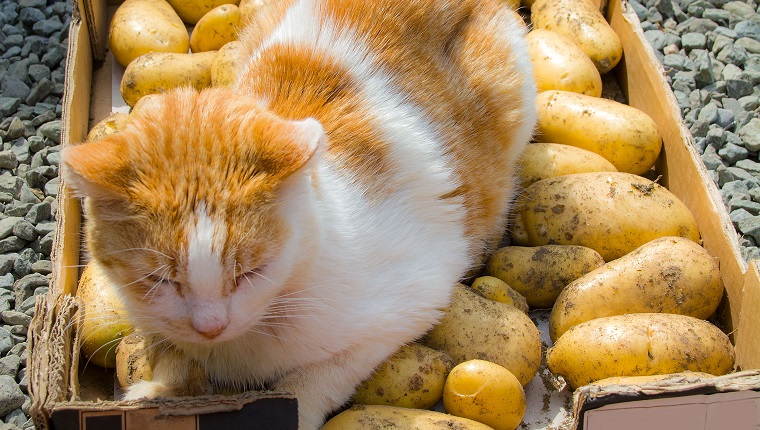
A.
x: 174, y: 374
x: 325, y: 386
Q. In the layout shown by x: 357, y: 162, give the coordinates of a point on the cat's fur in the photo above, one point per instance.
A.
x: 297, y: 229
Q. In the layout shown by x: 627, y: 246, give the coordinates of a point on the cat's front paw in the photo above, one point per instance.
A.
x: 147, y: 390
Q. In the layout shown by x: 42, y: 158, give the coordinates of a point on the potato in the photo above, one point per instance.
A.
x: 217, y: 28
x: 612, y: 213
x: 225, y: 68
x: 132, y: 360
x: 625, y: 136
x: 583, y: 23
x: 377, y: 417
x: 670, y: 274
x: 109, y: 125
x: 495, y: 289
x: 475, y: 327
x: 548, y: 160
x: 560, y: 64
x: 142, y: 26
x: 413, y: 377
x: 639, y: 345
x: 485, y: 392
x: 103, y: 321
x: 539, y: 273
x: 191, y: 11
x: 158, y: 72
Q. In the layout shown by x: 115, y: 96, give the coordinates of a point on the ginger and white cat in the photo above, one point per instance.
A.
x: 295, y: 230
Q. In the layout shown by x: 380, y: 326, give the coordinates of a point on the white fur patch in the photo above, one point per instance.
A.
x: 204, y: 262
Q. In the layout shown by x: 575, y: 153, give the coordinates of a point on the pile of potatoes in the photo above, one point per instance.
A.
x: 165, y: 44
x: 612, y: 253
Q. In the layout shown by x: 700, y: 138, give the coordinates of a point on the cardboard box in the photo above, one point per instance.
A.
x: 66, y: 395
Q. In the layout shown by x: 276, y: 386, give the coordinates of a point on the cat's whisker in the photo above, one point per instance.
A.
x: 142, y: 249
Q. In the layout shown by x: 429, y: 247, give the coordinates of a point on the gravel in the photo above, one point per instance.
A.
x: 711, y: 55
x: 710, y: 51
x: 33, y: 41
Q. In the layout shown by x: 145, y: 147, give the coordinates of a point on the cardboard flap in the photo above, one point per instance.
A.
x: 593, y: 396
x: 94, y: 12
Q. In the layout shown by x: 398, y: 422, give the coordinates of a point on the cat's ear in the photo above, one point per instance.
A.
x: 97, y: 170
x: 294, y: 145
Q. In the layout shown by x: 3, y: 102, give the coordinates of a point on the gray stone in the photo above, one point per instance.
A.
x: 54, y: 56
x: 750, y: 226
x: 699, y: 128
x: 16, y: 318
x: 20, y: 148
x: 39, y: 212
x: 691, y: 41
x: 16, y: 208
x: 711, y: 159
x: 6, y: 226
x: 740, y: 9
x: 739, y: 214
x: 752, y: 46
x: 15, y: 129
x: 733, y: 153
x: 11, y: 397
x: 747, y: 29
x: 701, y: 25
x: 6, y: 341
x: 11, y: 244
x: 24, y: 230
x: 708, y: 114
x: 10, y: 184
x: 47, y: 27
x: 750, y: 135
x: 9, y: 105
x: 52, y: 130
x: 8, y: 160
x: 730, y: 174
x: 656, y: 39
x: 749, y: 102
x: 704, y: 74
x: 725, y: 118
x: 717, y: 15
x: 27, y: 195
x: 733, y: 54
x: 734, y: 190
x: 45, y: 227
x: 44, y: 267
x: 46, y: 243
x: 23, y: 264
x: 641, y: 10
x: 750, y: 166
x: 14, y: 87
x: 731, y: 71
x: 41, y: 90
x: 6, y: 282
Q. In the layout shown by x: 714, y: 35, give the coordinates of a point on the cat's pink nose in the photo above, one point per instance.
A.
x: 210, y: 328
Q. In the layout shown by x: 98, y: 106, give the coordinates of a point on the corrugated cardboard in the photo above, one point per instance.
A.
x: 66, y: 397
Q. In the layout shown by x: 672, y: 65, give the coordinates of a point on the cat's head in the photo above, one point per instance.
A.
x: 193, y: 210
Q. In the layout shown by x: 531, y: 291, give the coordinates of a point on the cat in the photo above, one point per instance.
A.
x: 294, y: 230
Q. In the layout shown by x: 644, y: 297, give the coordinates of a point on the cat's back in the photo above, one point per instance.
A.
x: 397, y: 84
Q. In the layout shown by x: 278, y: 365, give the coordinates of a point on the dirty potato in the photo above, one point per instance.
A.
x: 224, y: 69
x: 113, y: 123
x: 539, y: 273
x: 217, y: 28
x: 639, y: 345
x: 133, y: 360
x: 612, y: 213
x: 475, y: 327
x: 158, y: 72
x: 560, y: 64
x: 191, y: 11
x: 485, y: 392
x: 378, y: 417
x: 494, y: 288
x: 142, y: 26
x: 670, y: 274
x: 625, y: 136
x: 413, y: 377
x: 548, y: 160
x: 583, y: 23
